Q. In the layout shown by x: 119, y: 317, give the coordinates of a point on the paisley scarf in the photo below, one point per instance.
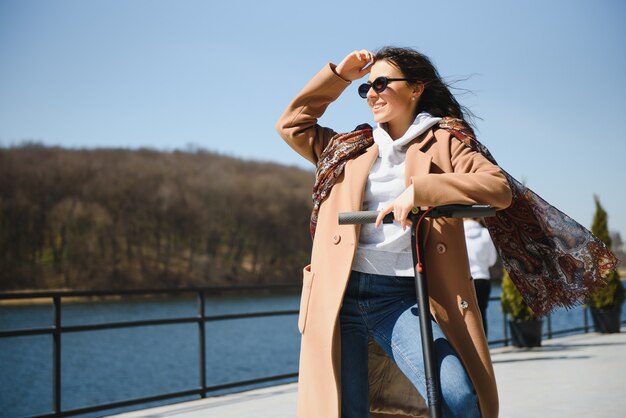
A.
x: 553, y: 260
x: 340, y: 149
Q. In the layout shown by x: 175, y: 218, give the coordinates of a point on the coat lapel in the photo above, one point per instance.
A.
x: 418, y: 164
x: 357, y: 171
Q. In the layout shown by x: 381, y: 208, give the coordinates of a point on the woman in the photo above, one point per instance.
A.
x: 360, y: 348
x: 482, y: 255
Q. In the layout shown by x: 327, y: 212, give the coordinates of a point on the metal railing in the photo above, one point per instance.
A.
x: 549, y: 331
x: 57, y: 329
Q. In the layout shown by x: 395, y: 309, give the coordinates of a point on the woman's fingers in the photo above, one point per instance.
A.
x: 381, y: 215
x: 365, y: 55
x: 401, y: 215
x: 355, y: 65
x: 402, y: 207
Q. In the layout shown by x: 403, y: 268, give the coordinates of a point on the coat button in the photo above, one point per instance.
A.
x: 464, y: 305
x: 441, y: 248
x: 336, y: 239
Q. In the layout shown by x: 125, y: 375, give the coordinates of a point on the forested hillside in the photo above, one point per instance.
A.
x: 118, y: 218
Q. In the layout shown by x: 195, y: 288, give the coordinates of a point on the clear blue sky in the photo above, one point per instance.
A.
x: 547, y: 78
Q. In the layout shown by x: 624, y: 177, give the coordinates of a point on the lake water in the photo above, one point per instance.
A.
x: 114, y: 365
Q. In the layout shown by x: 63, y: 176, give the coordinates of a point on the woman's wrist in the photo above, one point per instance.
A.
x: 333, y: 67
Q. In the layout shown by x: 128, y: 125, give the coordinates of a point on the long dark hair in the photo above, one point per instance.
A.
x: 436, y: 98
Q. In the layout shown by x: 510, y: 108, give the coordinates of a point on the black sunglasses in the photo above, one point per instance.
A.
x: 379, y: 85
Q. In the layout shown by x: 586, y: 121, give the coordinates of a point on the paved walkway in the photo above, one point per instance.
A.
x: 577, y: 376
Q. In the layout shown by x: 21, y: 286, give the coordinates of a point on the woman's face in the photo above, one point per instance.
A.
x: 394, y: 105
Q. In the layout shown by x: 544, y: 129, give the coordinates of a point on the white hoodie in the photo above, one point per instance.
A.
x: 480, y: 249
x: 387, y: 250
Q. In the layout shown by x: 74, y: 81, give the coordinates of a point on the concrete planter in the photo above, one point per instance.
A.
x: 607, y: 320
x: 526, y: 333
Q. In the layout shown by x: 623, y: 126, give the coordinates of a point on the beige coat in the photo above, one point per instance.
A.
x: 442, y: 171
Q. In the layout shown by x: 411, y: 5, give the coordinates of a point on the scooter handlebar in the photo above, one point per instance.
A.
x: 363, y: 217
x: 446, y: 211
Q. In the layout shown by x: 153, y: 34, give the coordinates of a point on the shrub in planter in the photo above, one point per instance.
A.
x: 606, y: 305
x: 606, y: 302
x: 524, y: 325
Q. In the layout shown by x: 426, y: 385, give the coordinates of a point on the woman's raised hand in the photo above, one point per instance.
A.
x: 355, y: 65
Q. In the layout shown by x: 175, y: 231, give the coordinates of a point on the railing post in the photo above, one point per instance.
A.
x: 56, y: 356
x: 505, y: 329
x: 202, y: 336
x: 549, y: 320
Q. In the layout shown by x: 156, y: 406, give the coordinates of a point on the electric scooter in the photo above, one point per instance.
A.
x: 433, y: 386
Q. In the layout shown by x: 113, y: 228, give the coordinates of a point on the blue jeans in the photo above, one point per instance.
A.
x: 385, y: 308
